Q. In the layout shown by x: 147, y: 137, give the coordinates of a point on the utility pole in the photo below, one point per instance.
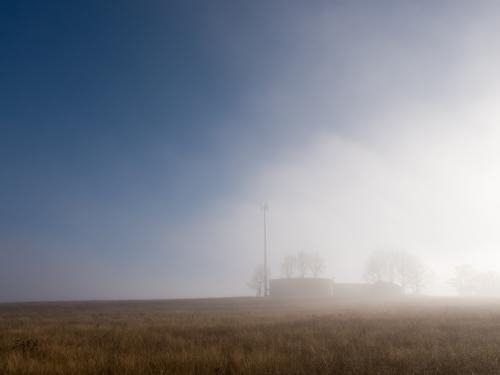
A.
x: 265, y: 207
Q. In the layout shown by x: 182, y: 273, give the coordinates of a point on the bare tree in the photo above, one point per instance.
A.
x: 464, y: 280
x: 487, y: 284
x: 289, y: 266
x: 302, y: 263
x: 381, y: 266
x: 468, y: 281
x: 316, y: 265
x: 401, y: 268
x: 413, y: 275
x: 405, y: 269
x: 257, y: 281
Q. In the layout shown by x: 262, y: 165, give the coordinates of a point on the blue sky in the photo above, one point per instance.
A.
x: 114, y: 117
x: 128, y: 131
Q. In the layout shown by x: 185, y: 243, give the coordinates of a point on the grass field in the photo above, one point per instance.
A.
x: 251, y: 336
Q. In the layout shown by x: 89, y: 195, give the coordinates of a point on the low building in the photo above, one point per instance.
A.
x: 301, y: 287
x: 366, y: 291
x: 321, y: 287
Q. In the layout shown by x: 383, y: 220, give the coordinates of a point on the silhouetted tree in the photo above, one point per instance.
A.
x: 316, y: 265
x: 400, y: 268
x: 289, y: 266
x: 412, y: 274
x: 381, y: 266
x: 303, y: 263
x: 464, y: 280
x: 488, y: 284
x: 257, y: 281
x: 468, y: 281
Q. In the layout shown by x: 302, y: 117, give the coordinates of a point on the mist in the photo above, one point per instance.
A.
x: 364, y: 127
x: 408, y: 165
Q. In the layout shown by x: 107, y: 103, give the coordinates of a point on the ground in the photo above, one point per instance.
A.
x: 251, y: 336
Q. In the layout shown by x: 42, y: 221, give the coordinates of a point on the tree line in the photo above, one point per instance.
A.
x: 396, y: 267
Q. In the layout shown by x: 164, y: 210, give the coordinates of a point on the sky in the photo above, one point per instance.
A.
x: 138, y: 141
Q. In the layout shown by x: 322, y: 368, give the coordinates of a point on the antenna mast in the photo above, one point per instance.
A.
x: 265, y: 207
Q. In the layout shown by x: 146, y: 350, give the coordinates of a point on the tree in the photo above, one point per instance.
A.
x: 413, y: 275
x: 289, y: 266
x: 400, y: 268
x: 303, y: 263
x: 381, y: 266
x: 488, y: 284
x: 316, y: 265
x: 464, y: 280
x: 257, y: 281
x: 469, y: 281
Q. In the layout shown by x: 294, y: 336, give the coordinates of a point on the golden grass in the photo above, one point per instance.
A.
x: 250, y: 336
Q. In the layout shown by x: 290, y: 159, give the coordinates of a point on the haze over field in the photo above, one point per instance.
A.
x: 138, y: 142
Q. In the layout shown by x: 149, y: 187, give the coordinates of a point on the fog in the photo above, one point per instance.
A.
x: 363, y: 126
x: 434, y: 199
x: 409, y: 164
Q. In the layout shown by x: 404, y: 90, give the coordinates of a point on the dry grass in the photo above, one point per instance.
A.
x: 250, y: 336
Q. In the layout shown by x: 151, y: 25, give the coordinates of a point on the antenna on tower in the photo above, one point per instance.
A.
x: 265, y: 208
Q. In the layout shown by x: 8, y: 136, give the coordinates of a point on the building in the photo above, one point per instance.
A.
x: 301, y: 287
x: 320, y: 287
x: 366, y: 291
